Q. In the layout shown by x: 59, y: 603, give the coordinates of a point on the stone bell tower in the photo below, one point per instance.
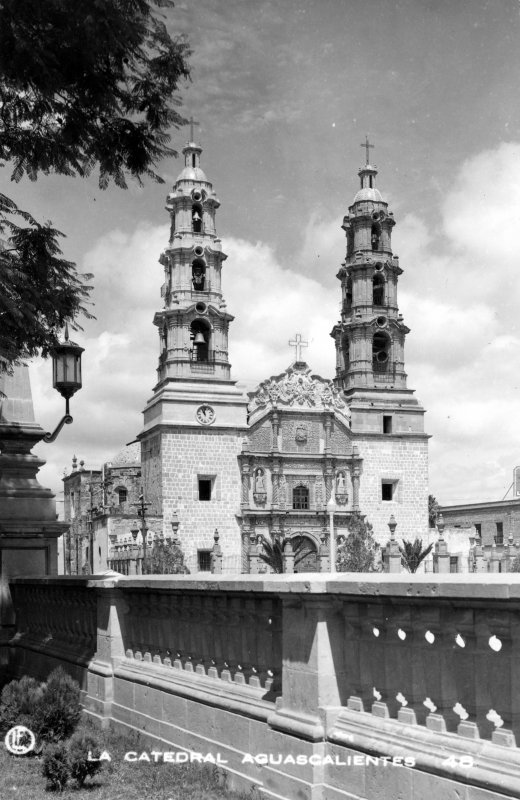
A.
x: 386, y: 418
x: 196, y: 418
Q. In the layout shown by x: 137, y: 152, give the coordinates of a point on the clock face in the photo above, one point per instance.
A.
x: 205, y: 415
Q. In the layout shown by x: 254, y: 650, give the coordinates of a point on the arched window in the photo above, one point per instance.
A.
x: 200, y: 336
x: 198, y: 273
x: 193, y: 160
x: 196, y: 218
x: 300, y: 498
x: 378, y: 290
x: 375, y: 235
x: 122, y: 495
x: 380, y: 351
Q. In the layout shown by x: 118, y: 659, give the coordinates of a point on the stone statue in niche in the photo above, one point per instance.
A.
x: 341, y: 488
x: 259, y: 490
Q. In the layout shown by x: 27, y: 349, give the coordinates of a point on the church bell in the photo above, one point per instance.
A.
x: 199, y: 338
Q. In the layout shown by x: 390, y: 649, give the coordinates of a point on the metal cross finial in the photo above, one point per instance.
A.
x: 192, y: 124
x: 367, y: 147
x: 298, y: 343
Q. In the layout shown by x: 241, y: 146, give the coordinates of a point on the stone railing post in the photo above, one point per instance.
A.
x: 111, y: 608
x: 312, y: 671
x: 216, y: 555
x: 441, y: 555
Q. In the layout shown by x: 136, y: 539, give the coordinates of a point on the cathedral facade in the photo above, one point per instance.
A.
x: 301, y: 452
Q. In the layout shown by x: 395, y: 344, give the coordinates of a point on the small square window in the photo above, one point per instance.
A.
x: 204, y: 488
x: 388, y: 489
x: 387, y: 424
x: 204, y: 560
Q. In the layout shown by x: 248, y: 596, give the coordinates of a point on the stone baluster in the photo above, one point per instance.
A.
x: 351, y: 686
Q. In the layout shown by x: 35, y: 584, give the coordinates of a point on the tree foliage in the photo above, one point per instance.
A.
x: 412, y: 554
x: 272, y: 554
x: 433, y: 510
x: 360, y: 551
x: 82, y: 85
x: 165, y: 558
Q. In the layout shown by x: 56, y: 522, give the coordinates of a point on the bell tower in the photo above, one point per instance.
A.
x: 386, y: 418
x: 195, y: 420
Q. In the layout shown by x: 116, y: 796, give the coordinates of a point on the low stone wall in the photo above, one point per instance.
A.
x: 348, y: 688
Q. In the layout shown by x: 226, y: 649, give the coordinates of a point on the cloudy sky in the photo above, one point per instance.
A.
x: 285, y: 93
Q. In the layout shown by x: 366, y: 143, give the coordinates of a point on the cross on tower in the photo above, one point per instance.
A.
x: 298, y: 343
x: 367, y: 146
x: 192, y: 123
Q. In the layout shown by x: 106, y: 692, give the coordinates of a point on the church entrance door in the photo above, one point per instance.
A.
x: 305, y: 554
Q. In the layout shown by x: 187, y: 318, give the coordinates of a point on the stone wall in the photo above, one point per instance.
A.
x: 171, y: 476
x: 403, y: 461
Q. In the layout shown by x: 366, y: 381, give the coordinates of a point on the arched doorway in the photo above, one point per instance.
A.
x: 305, y: 554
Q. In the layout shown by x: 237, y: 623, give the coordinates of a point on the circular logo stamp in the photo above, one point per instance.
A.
x: 20, y: 740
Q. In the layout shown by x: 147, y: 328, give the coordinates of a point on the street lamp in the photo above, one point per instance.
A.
x: 66, y: 377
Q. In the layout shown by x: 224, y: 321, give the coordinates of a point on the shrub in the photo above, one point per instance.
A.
x: 79, y: 747
x: 58, y: 711
x: 55, y: 766
x: 18, y: 702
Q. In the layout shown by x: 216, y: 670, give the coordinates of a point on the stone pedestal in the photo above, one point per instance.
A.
x: 28, y: 521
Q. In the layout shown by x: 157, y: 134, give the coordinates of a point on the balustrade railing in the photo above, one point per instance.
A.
x: 63, y: 615
x: 233, y: 638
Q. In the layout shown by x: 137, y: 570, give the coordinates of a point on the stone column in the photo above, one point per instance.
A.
x: 355, y: 477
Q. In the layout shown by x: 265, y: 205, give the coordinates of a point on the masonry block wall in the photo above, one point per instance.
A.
x: 173, y: 464
x: 403, y: 462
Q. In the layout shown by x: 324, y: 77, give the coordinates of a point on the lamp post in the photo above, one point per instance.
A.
x: 141, y: 512
x: 331, y: 508
x: 66, y: 377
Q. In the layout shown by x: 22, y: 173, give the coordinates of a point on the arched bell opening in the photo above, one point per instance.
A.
x: 346, y: 352
x: 198, y: 274
x: 375, y: 236
x: 378, y: 290
x: 380, y: 352
x: 348, y: 293
x: 200, y: 336
x: 196, y: 218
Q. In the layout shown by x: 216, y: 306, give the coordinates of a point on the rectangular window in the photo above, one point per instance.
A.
x: 388, y: 490
x: 387, y: 424
x: 204, y: 488
x: 478, y: 528
x: 204, y: 560
x: 499, y: 538
x: 454, y: 563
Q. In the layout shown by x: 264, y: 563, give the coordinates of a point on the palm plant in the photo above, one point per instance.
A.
x: 272, y: 553
x: 412, y: 554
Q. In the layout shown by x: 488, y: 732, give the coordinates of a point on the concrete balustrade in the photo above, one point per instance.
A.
x: 343, y: 672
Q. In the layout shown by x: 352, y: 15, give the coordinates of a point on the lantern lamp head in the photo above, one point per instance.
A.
x: 66, y: 366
